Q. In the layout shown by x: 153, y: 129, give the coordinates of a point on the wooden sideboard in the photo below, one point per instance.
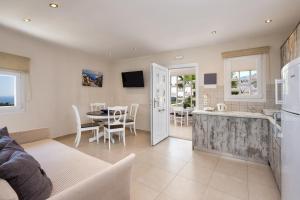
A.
x: 291, y: 47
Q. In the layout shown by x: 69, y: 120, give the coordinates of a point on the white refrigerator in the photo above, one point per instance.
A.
x: 290, y: 142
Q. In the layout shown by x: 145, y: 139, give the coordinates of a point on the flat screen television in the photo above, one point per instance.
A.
x: 133, y: 79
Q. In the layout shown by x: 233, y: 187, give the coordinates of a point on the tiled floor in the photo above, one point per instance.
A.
x: 172, y: 171
x: 184, y: 132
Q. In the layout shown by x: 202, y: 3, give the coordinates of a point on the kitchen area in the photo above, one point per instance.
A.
x: 252, y: 119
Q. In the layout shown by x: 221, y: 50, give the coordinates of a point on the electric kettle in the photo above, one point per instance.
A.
x: 221, y: 107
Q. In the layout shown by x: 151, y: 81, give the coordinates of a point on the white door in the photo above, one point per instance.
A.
x: 159, y: 103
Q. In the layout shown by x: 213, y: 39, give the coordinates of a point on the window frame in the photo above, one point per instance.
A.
x: 261, y: 64
x: 19, y: 92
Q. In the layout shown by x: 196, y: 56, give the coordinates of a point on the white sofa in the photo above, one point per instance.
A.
x: 75, y: 175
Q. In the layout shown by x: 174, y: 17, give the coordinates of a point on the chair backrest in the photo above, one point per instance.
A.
x: 78, y: 122
x: 133, y: 110
x: 178, y: 109
x: 117, y: 115
x: 97, y: 106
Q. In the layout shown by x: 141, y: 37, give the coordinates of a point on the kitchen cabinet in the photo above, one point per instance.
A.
x: 290, y: 49
x: 200, y: 126
x: 275, y: 153
x: 240, y: 137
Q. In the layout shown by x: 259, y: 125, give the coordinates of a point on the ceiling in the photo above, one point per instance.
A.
x: 129, y: 28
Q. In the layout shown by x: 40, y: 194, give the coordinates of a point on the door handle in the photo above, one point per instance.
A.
x: 162, y: 109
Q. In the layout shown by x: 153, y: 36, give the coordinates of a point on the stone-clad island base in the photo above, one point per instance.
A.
x: 252, y: 138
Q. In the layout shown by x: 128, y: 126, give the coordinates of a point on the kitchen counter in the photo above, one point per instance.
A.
x: 238, y: 114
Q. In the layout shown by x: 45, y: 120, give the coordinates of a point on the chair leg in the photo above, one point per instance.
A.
x: 78, y: 139
x: 130, y: 127
x: 109, y: 140
x: 119, y: 136
x: 187, y: 119
x: 104, y: 136
x: 134, y: 129
x: 124, y: 142
x: 97, y: 135
x: 181, y: 122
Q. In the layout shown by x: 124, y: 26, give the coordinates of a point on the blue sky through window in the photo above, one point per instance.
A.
x: 7, y: 85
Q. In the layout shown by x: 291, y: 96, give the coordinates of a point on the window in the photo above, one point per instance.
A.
x: 244, y: 83
x: 245, y: 78
x: 11, y: 92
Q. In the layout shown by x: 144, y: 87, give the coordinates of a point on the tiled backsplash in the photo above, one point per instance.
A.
x: 216, y: 95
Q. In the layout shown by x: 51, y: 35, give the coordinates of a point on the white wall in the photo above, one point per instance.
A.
x: 209, y: 59
x: 55, y: 77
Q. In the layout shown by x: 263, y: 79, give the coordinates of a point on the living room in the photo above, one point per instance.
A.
x: 48, y: 47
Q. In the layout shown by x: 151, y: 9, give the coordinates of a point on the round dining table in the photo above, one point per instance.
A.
x: 100, y: 115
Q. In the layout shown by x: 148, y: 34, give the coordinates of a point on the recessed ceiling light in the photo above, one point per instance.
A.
x: 27, y: 20
x: 179, y: 57
x: 267, y: 21
x: 53, y: 5
x: 214, y: 32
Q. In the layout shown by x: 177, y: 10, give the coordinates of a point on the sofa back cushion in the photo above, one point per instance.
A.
x: 23, y: 172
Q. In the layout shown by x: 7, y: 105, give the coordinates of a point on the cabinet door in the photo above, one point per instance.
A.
x: 241, y: 138
x: 271, y: 148
x: 258, y: 140
x: 277, y: 163
x: 221, y: 134
x: 200, y: 140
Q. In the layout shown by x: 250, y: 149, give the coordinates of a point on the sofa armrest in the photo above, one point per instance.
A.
x: 23, y: 137
x: 114, y: 183
x: 6, y: 191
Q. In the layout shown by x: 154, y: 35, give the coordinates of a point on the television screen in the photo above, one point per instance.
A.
x: 133, y: 79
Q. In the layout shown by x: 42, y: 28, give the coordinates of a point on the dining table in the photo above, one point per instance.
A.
x: 101, y: 115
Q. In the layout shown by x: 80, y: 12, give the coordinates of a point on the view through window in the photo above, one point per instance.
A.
x: 7, y: 90
x: 244, y: 82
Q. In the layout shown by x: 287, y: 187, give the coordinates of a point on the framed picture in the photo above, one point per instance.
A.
x: 91, y: 78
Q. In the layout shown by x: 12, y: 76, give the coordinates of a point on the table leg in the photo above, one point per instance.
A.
x: 93, y: 139
x: 101, y: 134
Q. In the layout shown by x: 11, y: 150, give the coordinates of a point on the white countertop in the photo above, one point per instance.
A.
x: 237, y: 114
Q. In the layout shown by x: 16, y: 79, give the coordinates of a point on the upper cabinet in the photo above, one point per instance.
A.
x: 291, y: 47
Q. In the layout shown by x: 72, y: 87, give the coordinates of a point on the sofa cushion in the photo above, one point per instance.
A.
x: 23, y: 172
x: 6, y: 192
x: 4, y: 140
x: 4, y: 132
x: 64, y: 165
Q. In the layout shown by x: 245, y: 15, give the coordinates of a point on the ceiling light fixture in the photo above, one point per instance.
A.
x: 214, y: 32
x: 27, y: 20
x: 53, y: 5
x: 267, y: 21
x: 179, y: 57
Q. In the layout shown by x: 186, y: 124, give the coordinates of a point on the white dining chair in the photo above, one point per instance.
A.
x: 97, y: 106
x: 116, y: 123
x: 131, y: 119
x: 84, y: 127
x: 171, y: 114
x: 179, y: 115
